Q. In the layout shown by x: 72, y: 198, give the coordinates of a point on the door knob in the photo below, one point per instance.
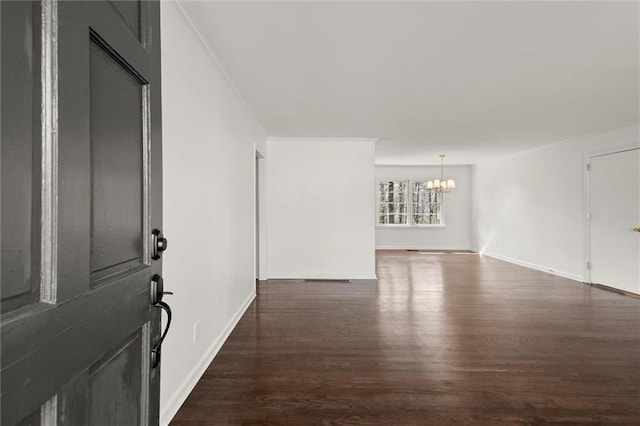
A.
x: 637, y: 229
x: 157, y: 291
x: 158, y: 244
x: 156, y: 349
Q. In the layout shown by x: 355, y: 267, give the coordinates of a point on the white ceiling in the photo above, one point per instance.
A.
x: 472, y: 79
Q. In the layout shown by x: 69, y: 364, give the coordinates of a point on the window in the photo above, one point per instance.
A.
x: 392, y: 202
x: 426, y: 204
x: 404, y: 202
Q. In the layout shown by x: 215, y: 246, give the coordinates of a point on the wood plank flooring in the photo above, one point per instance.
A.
x: 439, y: 339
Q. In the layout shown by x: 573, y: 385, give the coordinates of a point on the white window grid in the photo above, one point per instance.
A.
x: 408, y: 203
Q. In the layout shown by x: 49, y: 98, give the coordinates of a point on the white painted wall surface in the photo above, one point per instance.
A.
x: 528, y: 208
x: 261, y: 232
x: 262, y: 218
x: 321, y: 208
x: 209, y: 143
x: 456, y: 233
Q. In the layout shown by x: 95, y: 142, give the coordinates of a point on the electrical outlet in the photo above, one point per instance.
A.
x: 196, y: 331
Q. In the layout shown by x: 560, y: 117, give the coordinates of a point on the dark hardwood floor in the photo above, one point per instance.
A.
x: 446, y: 339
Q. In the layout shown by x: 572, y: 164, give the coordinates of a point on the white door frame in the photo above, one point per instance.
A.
x: 587, y: 200
x: 260, y: 214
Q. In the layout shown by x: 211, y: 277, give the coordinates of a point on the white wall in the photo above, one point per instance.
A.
x: 262, y: 218
x: 261, y: 234
x: 321, y: 208
x: 528, y: 208
x: 209, y: 143
x: 456, y: 233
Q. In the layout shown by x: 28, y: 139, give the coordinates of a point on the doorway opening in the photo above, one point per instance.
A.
x: 613, y: 219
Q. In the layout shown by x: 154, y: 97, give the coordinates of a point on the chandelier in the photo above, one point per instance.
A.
x: 442, y: 184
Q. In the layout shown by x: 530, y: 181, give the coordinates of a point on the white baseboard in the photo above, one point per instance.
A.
x: 325, y: 277
x: 180, y: 395
x: 404, y: 247
x: 530, y: 265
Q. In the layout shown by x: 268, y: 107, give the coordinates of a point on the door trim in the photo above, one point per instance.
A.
x: 587, y: 200
x: 145, y: 376
x: 49, y: 166
x: 146, y: 175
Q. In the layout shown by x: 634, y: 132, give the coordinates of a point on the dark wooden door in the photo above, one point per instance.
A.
x: 81, y: 193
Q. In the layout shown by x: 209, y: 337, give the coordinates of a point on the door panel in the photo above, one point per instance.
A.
x: 20, y: 137
x: 115, y: 385
x: 117, y: 129
x: 49, y: 345
x: 614, y: 198
x: 108, y: 392
x: 82, y: 353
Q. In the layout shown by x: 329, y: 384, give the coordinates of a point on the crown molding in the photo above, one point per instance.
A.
x: 198, y: 33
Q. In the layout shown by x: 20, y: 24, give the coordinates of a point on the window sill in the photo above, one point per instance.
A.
x: 387, y: 227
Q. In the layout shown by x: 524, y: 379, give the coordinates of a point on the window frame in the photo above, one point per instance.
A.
x: 441, y: 203
x: 409, y: 203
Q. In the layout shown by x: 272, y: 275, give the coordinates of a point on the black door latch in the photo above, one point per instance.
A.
x: 158, y: 244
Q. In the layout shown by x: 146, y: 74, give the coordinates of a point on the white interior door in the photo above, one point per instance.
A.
x: 614, y: 206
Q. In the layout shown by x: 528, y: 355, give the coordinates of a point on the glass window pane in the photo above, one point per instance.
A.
x: 392, y: 198
x: 426, y: 204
